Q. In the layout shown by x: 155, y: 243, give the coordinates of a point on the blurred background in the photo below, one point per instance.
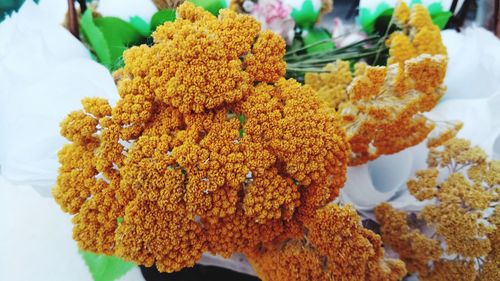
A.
x: 466, y: 12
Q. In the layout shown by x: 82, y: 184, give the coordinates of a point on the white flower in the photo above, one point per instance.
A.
x: 44, y: 73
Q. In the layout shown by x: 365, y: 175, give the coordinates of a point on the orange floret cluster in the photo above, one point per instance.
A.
x: 381, y: 107
x: 331, y: 86
x: 209, y: 148
x: 336, y: 247
x: 463, y: 216
x: 414, y: 248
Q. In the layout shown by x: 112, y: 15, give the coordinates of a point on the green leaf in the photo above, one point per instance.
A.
x: 95, y: 38
x: 307, y: 16
x: 161, y: 17
x: 367, y: 18
x: 441, y: 19
x: 315, y: 35
x: 372, y: 21
x: 435, y: 8
x: 119, y: 35
x: 109, y: 37
x: 242, y: 118
x: 439, y: 16
x: 105, y: 268
x: 213, y: 6
x: 140, y: 25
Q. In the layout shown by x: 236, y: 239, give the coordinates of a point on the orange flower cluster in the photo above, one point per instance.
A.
x: 460, y: 214
x: 381, y: 106
x: 337, y: 247
x: 208, y: 149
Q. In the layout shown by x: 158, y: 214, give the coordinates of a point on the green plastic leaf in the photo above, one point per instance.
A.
x: 441, y: 19
x: 140, y: 25
x: 435, y: 8
x: 315, y: 35
x: 439, y: 16
x: 372, y: 21
x: 213, y: 6
x: 307, y: 16
x: 119, y: 35
x: 367, y: 17
x: 161, y: 17
x: 105, y: 268
x: 95, y: 38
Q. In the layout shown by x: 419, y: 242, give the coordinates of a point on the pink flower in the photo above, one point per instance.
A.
x: 276, y: 16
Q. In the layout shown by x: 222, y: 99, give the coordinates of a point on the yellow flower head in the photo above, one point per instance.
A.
x: 336, y: 247
x: 402, y: 13
x: 461, y: 216
x: 381, y: 106
x: 209, y: 148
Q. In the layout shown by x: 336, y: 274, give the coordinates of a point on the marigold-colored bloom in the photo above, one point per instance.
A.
x: 336, y: 247
x: 402, y: 14
x: 381, y: 107
x: 414, y: 248
x: 459, y: 216
x: 208, y: 149
x: 331, y: 86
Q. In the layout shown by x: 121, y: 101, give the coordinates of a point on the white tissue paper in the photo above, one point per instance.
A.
x: 473, y: 63
x: 44, y: 73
